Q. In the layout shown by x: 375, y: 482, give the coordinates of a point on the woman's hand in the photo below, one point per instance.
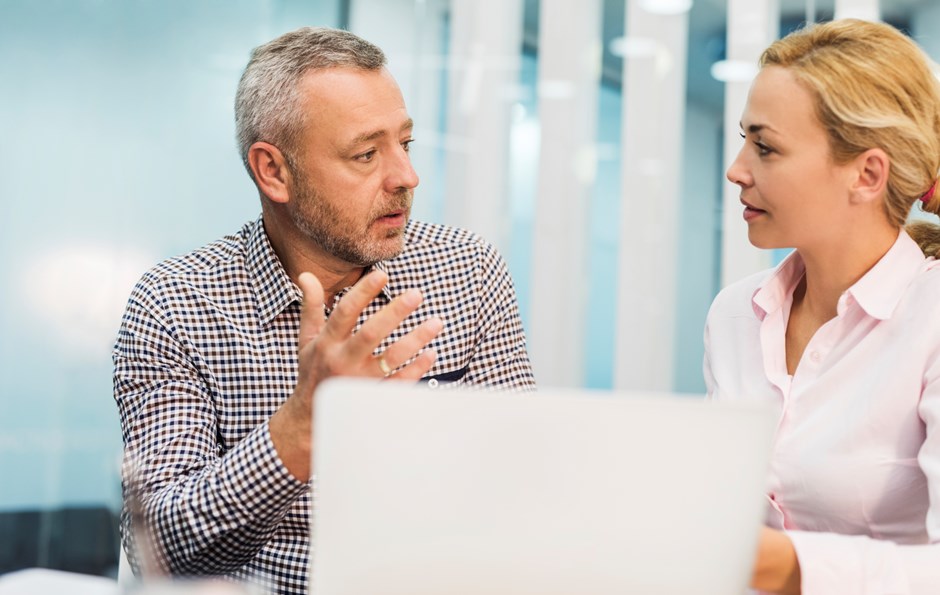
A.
x: 777, y: 568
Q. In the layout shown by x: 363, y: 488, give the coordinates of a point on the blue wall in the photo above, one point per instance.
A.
x: 118, y: 150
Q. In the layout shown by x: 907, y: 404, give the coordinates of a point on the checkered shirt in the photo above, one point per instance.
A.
x: 207, y: 352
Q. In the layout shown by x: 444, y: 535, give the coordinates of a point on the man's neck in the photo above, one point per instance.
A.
x: 297, y: 255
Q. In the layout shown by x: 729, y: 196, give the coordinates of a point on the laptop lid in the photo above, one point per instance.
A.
x: 562, y: 491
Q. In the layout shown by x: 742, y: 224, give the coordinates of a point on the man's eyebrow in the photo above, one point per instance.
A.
x: 370, y: 136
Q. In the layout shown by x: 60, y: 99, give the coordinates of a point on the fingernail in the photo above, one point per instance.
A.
x: 435, y: 324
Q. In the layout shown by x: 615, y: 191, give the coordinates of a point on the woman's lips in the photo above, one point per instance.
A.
x: 751, y: 212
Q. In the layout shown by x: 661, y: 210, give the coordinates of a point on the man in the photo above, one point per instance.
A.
x: 220, y: 351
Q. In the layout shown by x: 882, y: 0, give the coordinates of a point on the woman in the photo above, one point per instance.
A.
x: 842, y: 137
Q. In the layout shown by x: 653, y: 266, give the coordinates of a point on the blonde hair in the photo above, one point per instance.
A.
x: 873, y: 87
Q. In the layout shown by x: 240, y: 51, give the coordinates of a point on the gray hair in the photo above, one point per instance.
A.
x: 266, y: 103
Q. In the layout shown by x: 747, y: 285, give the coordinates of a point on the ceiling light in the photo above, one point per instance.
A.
x: 734, y: 71
x: 666, y: 6
x: 633, y: 46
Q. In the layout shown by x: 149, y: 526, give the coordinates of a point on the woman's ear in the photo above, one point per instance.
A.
x: 872, y: 169
x: 269, y: 167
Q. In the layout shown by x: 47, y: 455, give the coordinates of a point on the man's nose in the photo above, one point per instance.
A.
x: 401, y: 173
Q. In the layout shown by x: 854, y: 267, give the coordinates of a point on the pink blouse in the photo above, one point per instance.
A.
x: 855, y: 473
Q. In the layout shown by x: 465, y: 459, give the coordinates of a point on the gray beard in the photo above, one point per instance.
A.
x: 318, y: 219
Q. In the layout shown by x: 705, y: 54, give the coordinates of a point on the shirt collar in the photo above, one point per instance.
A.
x: 386, y: 289
x: 881, y: 288
x: 273, y: 287
x: 877, y: 292
x: 382, y: 265
x: 774, y: 291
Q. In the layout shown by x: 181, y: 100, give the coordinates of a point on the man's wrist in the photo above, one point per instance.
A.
x: 291, y: 433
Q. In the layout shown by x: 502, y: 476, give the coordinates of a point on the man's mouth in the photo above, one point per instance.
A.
x: 394, y: 218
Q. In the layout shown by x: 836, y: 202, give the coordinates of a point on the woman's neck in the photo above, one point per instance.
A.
x: 834, y: 267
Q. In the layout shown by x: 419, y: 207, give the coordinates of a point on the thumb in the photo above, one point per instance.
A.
x: 311, y: 311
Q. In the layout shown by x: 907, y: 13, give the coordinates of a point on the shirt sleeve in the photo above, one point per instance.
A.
x: 500, y: 360
x: 831, y: 563
x: 190, y: 507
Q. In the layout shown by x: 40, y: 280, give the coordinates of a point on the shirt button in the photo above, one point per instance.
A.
x: 432, y: 383
x: 815, y: 356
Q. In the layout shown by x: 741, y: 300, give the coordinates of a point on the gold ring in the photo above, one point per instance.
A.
x: 383, y: 365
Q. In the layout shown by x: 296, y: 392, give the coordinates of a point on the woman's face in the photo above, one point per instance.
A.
x: 794, y: 195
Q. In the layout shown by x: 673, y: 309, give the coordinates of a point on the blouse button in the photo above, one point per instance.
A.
x: 815, y: 356
x: 432, y: 383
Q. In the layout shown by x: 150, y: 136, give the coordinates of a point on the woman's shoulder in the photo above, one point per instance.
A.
x: 924, y: 290
x: 737, y: 298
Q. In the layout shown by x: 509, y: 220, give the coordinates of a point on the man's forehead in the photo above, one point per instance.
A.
x: 365, y: 103
x: 342, y: 83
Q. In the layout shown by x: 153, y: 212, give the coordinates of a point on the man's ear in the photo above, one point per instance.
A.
x: 269, y: 166
x: 872, y: 169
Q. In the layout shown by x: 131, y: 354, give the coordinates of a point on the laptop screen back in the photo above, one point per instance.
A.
x: 421, y: 492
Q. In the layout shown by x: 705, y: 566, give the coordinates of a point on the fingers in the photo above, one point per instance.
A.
x: 406, y: 347
x: 311, y: 311
x: 336, y: 351
x: 374, y: 330
x: 343, y: 319
x: 417, y: 369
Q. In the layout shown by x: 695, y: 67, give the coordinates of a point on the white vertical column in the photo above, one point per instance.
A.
x: 393, y: 26
x: 568, y: 78
x: 486, y: 42
x: 752, y: 26
x: 410, y: 32
x: 867, y: 10
x: 654, y: 108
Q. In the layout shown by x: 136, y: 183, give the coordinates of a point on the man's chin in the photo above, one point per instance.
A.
x: 385, y: 249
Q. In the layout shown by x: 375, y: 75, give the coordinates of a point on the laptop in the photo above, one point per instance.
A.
x: 424, y: 492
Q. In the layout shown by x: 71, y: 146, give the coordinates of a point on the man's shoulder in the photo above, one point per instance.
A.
x: 423, y: 234
x: 435, y: 249
x: 205, y: 264
x: 430, y: 242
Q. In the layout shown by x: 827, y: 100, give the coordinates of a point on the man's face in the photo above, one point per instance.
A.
x: 352, y: 182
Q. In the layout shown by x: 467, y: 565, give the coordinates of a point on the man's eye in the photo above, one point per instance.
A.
x: 365, y: 157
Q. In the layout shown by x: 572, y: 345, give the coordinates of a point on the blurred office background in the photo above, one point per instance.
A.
x: 586, y: 139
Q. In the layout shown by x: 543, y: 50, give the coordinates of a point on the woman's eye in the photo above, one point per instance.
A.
x: 406, y: 144
x: 762, y: 149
